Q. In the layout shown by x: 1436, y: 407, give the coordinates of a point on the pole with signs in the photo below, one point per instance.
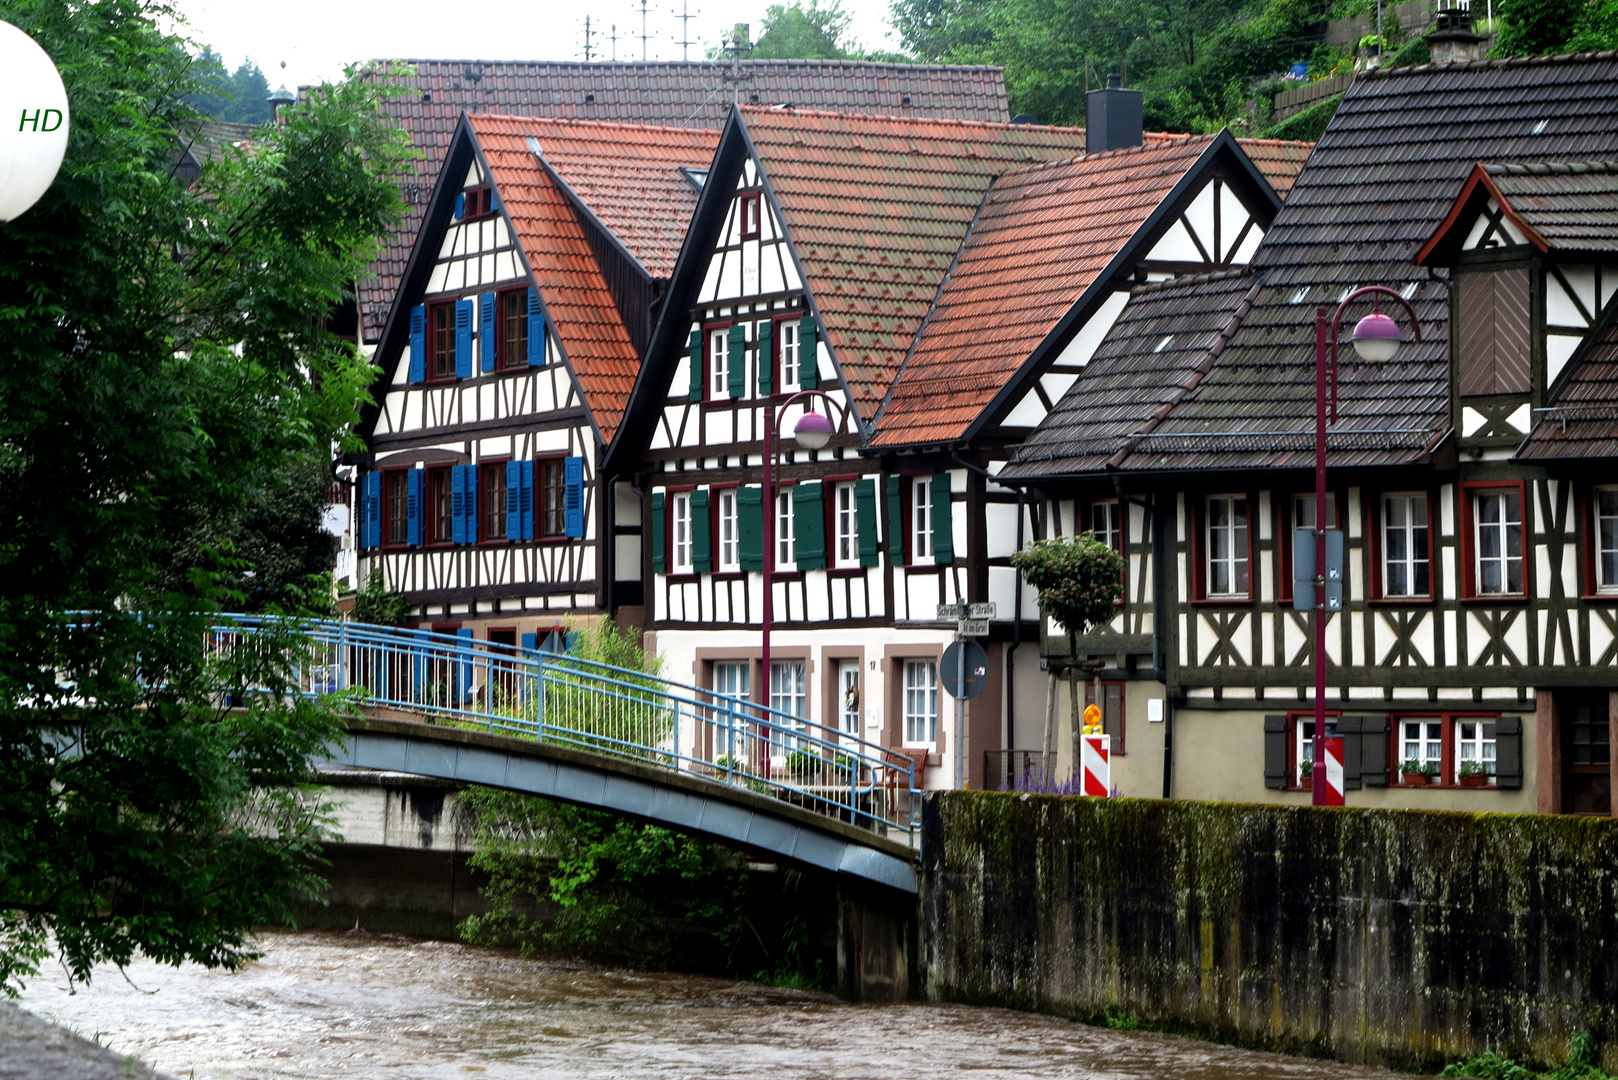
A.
x: 33, y: 122
x: 965, y: 668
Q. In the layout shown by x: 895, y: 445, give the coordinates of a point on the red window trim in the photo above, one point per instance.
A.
x: 382, y: 511
x: 1373, y: 576
x: 427, y: 540
x: 707, y: 361
x: 713, y: 530
x: 1294, y: 718
x: 669, y: 573
x: 1446, y: 763
x: 540, y: 536
x: 1466, y: 524
x: 483, y: 196
x: 755, y: 197
x: 1590, y: 583
x: 907, y: 486
x: 778, y: 377
x: 502, y: 362
x: 1284, y: 524
x: 485, y: 469
x: 432, y: 341
x: 1198, y: 512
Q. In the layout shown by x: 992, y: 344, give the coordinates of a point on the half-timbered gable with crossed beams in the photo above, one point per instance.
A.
x: 1469, y: 473
x: 507, y: 361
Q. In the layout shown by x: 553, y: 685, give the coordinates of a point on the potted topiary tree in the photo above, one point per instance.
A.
x: 1079, y: 581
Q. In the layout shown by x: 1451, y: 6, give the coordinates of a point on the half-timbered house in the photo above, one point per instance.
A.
x: 507, y: 359
x: 1475, y: 475
x: 904, y: 272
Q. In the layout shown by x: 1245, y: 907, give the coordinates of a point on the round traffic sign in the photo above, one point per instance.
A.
x: 977, y: 670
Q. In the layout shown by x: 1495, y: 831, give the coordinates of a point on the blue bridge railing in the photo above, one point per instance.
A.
x: 570, y: 701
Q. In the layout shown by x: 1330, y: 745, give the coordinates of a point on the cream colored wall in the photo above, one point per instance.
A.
x: 1138, y: 772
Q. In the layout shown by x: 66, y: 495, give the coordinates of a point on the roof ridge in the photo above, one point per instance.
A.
x: 610, y: 65
x: 577, y: 122
x: 1548, y: 168
x: 1146, y: 288
x: 892, y: 119
x: 1244, y: 139
x: 1105, y: 155
x: 1498, y: 62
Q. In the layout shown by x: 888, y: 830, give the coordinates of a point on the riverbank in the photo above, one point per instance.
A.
x: 32, y: 1048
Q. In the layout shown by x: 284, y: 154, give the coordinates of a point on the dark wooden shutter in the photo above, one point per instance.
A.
x: 573, y: 496
x: 415, y: 505
x: 486, y: 334
x: 865, y: 520
x: 736, y: 361
x: 809, y: 521
x: 694, y: 348
x: 808, y: 353
x: 1494, y: 332
x: 1349, y: 728
x: 463, y: 339
x: 1112, y: 711
x: 513, y: 500
x: 750, y: 527
x: 1275, y: 750
x: 1374, y: 751
x: 943, y: 521
x: 701, y: 534
x: 457, y: 504
x: 766, y: 358
x: 418, y: 343
x: 526, y: 496
x: 659, y: 525
x: 536, y: 330
x: 1507, y: 750
x: 896, y: 522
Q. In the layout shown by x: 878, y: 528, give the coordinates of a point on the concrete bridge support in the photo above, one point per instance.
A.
x: 876, y: 944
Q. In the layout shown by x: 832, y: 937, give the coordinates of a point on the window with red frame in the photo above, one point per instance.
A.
x: 551, y: 487
x: 1445, y: 745
x: 479, y: 202
x: 1494, y: 527
x: 748, y: 211
x: 441, y: 340
x: 1604, y: 539
x: 513, y: 330
x: 492, y: 499
x: 440, y: 523
x: 1404, y: 546
x: 1107, y: 523
x: 396, y: 508
x: 1226, y: 548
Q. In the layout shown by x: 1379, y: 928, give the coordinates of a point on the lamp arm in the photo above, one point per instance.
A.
x: 1337, y: 319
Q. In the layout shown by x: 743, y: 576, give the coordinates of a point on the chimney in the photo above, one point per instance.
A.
x: 1113, y: 117
x: 1453, y: 41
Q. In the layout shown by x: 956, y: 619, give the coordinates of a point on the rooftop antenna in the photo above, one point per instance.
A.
x: 737, y: 45
x: 588, y: 56
x: 685, y: 16
x: 643, y: 34
x: 613, y: 37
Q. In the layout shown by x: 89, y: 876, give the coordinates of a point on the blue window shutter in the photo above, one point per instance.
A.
x: 460, y: 207
x: 471, y: 503
x: 374, y: 519
x: 573, y: 495
x: 457, y: 504
x: 697, y: 360
x: 486, y: 335
x: 737, y: 361
x: 701, y: 533
x: 463, y: 339
x: 766, y: 358
x: 418, y: 343
x: 659, y: 533
x: 943, y: 520
x: 414, y: 484
x: 530, y: 642
x: 513, y: 500
x: 526, y: 495
x: 536, y: 330
x: 465, y: 681
x: 808, y: 353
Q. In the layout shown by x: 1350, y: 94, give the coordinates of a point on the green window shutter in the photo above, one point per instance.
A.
x: 766, y: 359
x: 896, y: 523
x: 808, y: 353
x: 750, y: 528
x: 737, y: 361
x: 696, y: 365
x: 658, y: 540
x: 809, y: 519
x: 701, y: 534
x: 865, y: 517
x: 943, y: 521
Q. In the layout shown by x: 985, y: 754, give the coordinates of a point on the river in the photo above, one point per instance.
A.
x: 322, y: 1006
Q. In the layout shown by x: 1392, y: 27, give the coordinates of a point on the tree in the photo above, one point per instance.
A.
x: 162, y: 354
x: 1079, y: 582
x: 795, y: 32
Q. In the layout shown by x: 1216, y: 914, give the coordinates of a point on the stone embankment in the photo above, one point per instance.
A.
x: 32, y: 1049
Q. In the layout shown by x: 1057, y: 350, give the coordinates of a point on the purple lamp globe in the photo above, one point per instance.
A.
x: 813, y: 431
x: 1376, y: 338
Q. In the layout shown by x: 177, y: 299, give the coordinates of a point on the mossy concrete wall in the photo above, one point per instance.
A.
x: 1396, y: 937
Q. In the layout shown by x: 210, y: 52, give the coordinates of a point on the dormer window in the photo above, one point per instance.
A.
x: 477, y: 202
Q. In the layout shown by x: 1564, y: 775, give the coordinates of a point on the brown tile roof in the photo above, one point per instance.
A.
x: 697, y: 94
x: 877, y: 208
x: 629, y: 177
x: 1563, y: 206
x: 1043, y: 236
x: 1279, y: 160
x: 1382, y: 177
x: 1582, y: 421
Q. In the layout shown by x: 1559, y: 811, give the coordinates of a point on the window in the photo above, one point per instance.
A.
x: 440, y: 507
x: 396, y: 509
x: 552, y: 498
x: 921, y: 703
x: 719, y: 363
x: 1497, y: 564
x: 1474, y: 743
x: 730, y: 556
x: 479, y: 202
x: 1421, y: 741
x: 1405, y: 551
x: 1303, y: 511
x: 492, y: 500
x: 848, y: 697
x: 847, y: 530
x: 1305, y: 748
x: 441, y: 341
x: 786, y: 333
x: 786, y: 532
x: 513, y: 315
x: 1227, y: 559
x: 1107, y: 524
x: 731, y: 679
x: 1606, y: 539
x: 680, y: 532
x: 748, y: 214
x: 921, y: 520
x: 788, y: 695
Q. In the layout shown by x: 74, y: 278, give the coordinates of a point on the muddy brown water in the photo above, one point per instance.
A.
x: 355, y: 1006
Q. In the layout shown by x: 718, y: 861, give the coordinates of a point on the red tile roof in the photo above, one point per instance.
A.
x: 628, y: 175
x: 1043, y: 237
x: 877, y: 208
x: 1278, y: 160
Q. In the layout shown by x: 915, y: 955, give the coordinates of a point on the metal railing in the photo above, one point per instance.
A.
x: 466, y: 683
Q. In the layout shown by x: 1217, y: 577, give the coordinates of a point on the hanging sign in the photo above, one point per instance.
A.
x: 33, y: 122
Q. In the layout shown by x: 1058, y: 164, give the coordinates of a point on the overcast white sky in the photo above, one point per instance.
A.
x: 315, y: 38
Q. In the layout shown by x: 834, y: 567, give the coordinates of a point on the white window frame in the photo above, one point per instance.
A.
x: 1303, y: 736
x: 1106, y: 523
x: 1504, y: 562
x: 921, y: 521
x: 730, y: 557
x: 719, y: 363
x: 1471, y: 744
x: 786, y: 531
x: 749, y: 202
x: 1604, y: 538
x: 845, y: 526
x: 789, y: 694
x: 1422, y: 738
x: 849, y: 697
x: 786, y: 335
x: 1414, y: 538
x: 1303, y: 511
x: 1236, y: 562
x: 919, y: 701
x: 681, y: 538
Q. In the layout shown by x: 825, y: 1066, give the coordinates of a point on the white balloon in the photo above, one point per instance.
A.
x: 33, y: 122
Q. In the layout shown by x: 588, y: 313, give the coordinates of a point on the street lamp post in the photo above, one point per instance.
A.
x: 812, y: 432
x: 1376, y: 339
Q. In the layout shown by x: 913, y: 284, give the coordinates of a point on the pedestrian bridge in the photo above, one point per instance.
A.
x: 607, y: 738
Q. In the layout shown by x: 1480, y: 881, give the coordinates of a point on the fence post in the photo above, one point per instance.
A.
x: 539, y: 694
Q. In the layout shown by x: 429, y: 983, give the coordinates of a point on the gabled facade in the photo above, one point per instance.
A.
x: 507, y: 358
x: 852, y: 255
x: 1474, y: 474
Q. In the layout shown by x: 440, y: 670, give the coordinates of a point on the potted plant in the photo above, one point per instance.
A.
x: 1413, y: 773
x: 1306, y: 772
x: 1474, y: 774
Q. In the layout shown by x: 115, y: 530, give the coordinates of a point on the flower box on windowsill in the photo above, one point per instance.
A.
x: 1476, y: 780
x: 1413, y: 779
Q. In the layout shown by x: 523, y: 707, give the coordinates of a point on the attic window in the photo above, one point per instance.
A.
x: 1300, y: 296
x: 479, y: 202
x: 698, y: 177
x: 1539, y: 128
x: 1409, y: 291
x: 748, y: 215
x: 589, y: 99
x: 1161, y: 345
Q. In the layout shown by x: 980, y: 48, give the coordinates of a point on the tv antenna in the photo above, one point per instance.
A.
x: 613, y: 37
x: 588, y: 56
x: 685, y: 16
x: 643, y: 34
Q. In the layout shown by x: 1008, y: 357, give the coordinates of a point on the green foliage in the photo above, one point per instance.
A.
x: 1307, y: 125
x: 799, y: 968
x: 1411, y: 53
x: 1533, y: 27
x: 636, y: 892
x: 378, y: 604
x: 798, y: 32
x: 1583, y: 1063
x: 1428, y: 769
x: 162, y: 359
x: 241, y: 96
x: 1079, y: 580
x: 1473, y: 768
x: 1597, y: 29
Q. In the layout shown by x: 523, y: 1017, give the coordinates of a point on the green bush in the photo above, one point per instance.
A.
x: 1308, y: 125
